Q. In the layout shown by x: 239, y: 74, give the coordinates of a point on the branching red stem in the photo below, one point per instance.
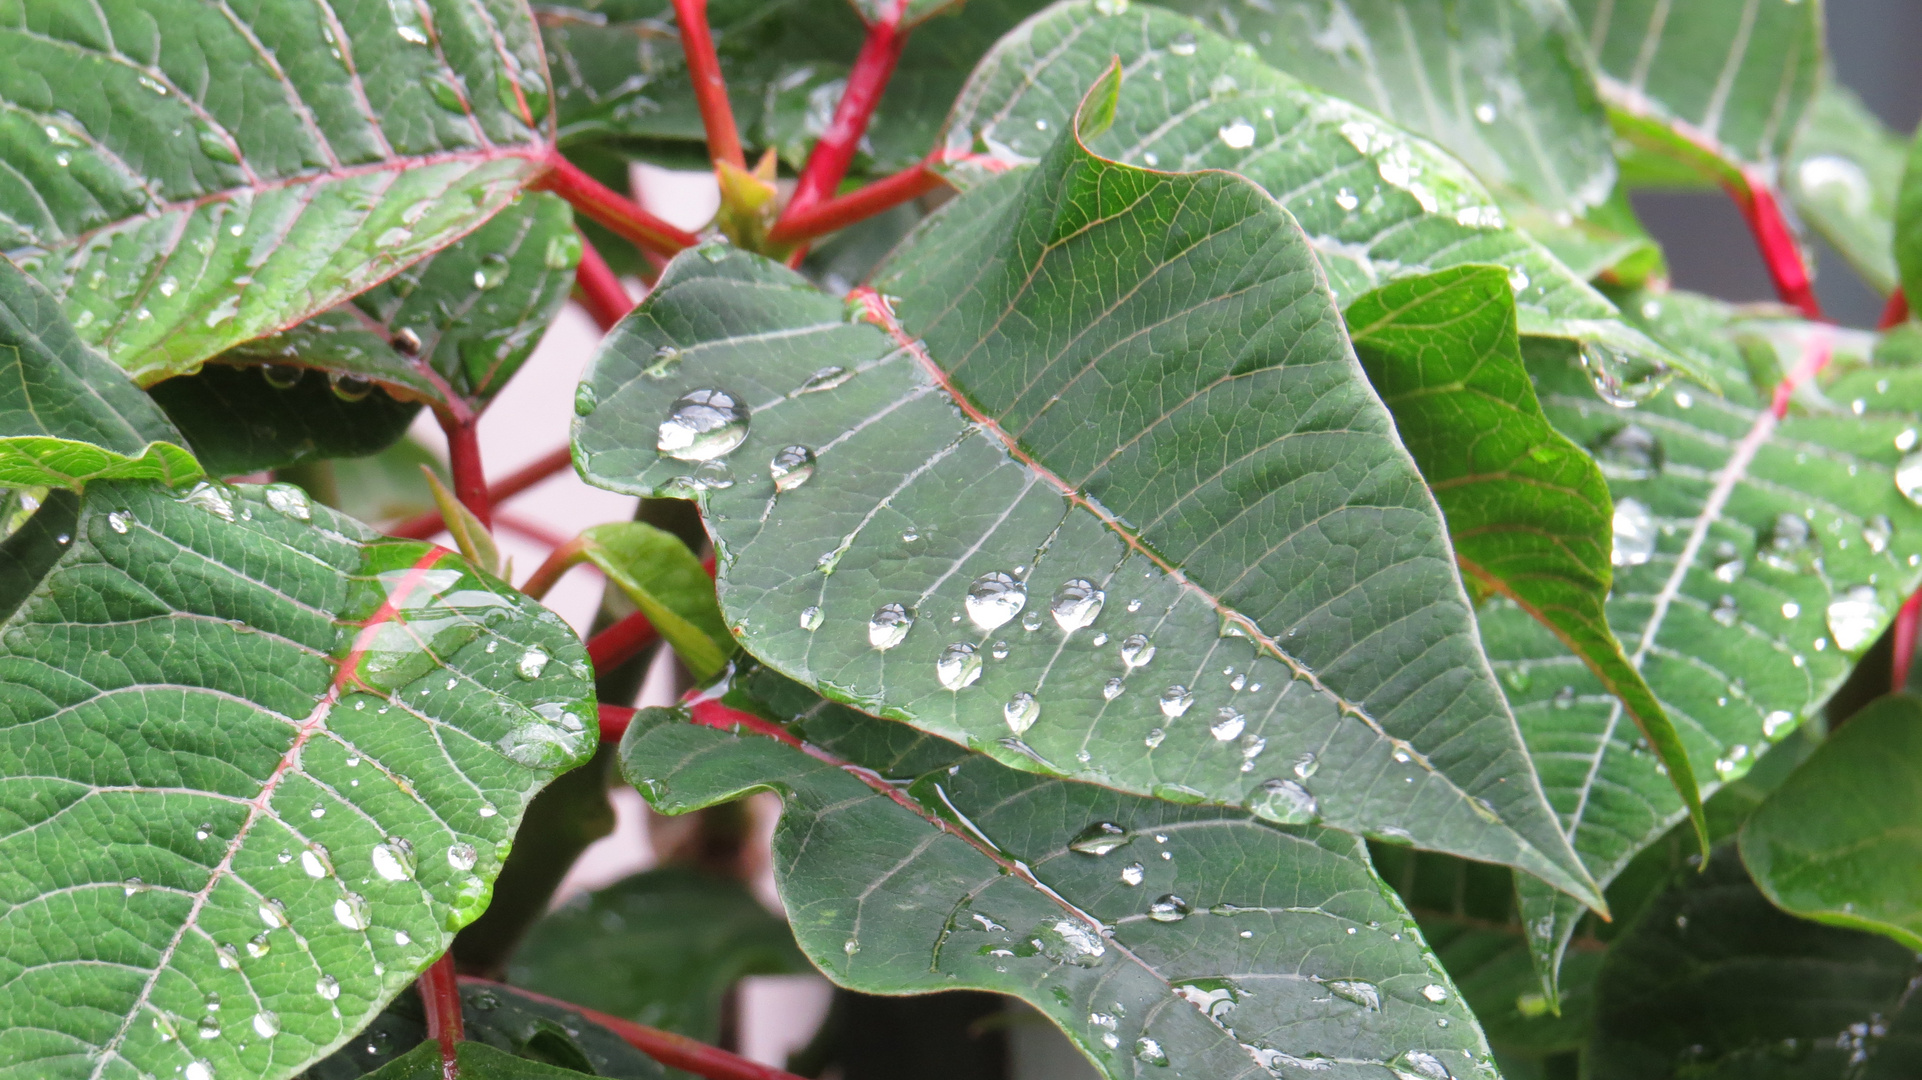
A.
x: 426, y: 525
x: 828, y: 162
x: 612, y: 209
x: 440, y: 994
x: 1755, y: 198
x: 531, y: 530
x: 619, y: 643
x: 1907, y: 621
x: 464, y: 459
x: 1896, y: 312
x: 600, y: 289
x: 838, y: 213
x: 710, y: 89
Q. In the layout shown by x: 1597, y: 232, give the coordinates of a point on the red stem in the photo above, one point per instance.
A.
x: 710, y: 89
x: 532, y: 530
x: 464, y: 459
x: 600, y: 290
x: 440, y: 993
x: 828, y: 162
x: 1906, y: 623
x: 1780, y: 252
x: 666, y: 1047
x: 838, y: 213
x: 1896, y: 312
x: 612, y: 209
x: 563, y: 559
x: 426, y: 525
x: 614, y: 721
x: 619, y: 643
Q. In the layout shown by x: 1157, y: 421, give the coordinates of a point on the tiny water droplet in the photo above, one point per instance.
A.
x: 1182, y: 45
x: 348, y: 386
x: 1020, y: 712
x: 1076, y: 604
x: 958, y: 666
x: 1169, y: 908
x: 492, y: 272
x: 1630, y: 452
x: 258, y: 946
x: 406, y: 341
x: 1876, y: 533
x: 199, y: 1070
x: 1365, y: 994
x: 328, y: 988
x: 889, y: 626
x: 791, y: 467
x: 531, y: 663
x: 702, y: 425
x: 289, y: 501
x: 228, y: 957
x: 1228, y: 723
x: 1725, y: 612
x: 319, y: 811
x: 266, y: 1024
x: 1284, y: 802
x: 1634, y: 529
x: 1111, y: 689
x: 117, y: 521
x: 586, y: 399
x: 1418, y: 1065
x: 394, y: 859
x: 1306, y: 765
x: 1149, y: 1052
x: 1175, y: 701
x: 994, y: 598
x: 825, y: 379
x: 350, y: 911
x: 1238, y: 134
x: 1908, y: 478
x: 462, y: 856
x: 1136, y: 651
x: 1154, y: 738
x: 810, y: 618
x: 1855, y: 618
x: 1100, y: 838
x: 1434, y: 993
x: 273, y: 913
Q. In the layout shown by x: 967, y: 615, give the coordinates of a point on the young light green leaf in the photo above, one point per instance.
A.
x: 194, y: 179
x: 471, y: 537
x: 67, y: 415
x: 1528, y: 511
x: 1838, y: 841
x: 1164, y: 940
x: 1843, y: 173
x: 263, y: 765
x: 1375, y: 201
x: 1105, y: 494
x: 670, y: 586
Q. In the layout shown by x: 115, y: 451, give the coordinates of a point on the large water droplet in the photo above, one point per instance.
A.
x: 1175, y: 701
x: 462, y: 857
x: 1133, y: 874
x: 347, y: 386
x: 1619, y: 379
x: 702, y: 425
x: 1169, y: 908
x: 1238, y: 134
x: 1908, y: 478
x: 531, y: 663
x: 1111, y: 689
x: 1365, y: 994
x: 350, y: 911
x: 1629, y: 453
x: 1284, y: 802
x: 212, y: 498
x: 1020, y: 712
x: 394, y: 860
x: 1634, y: 534
x: 1136, y: 651
x: 791, y: 467
x: 889, y: 626
x: 259, y: 945
x: 994, y: 599
x: 1076, y: 604
x: 1856, y: 617
x: 273, y: 913
x: 266, y: 1024
x: 1069, y: 941
x: 1216, y: 998
x: 810, y: 618
x: 328, y: 988
x: 1100, y: 838
x: 281, y: 376
x: 958, y: 666
x: 1148, y: 1051
x: 1418, y: 1065
x: 1228, y: 723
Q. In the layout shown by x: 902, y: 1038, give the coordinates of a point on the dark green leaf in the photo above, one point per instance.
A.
x: 1908, y: 222
x: 243, y: 419
x: 1118, y: 400
x: 259, y: 759
x: 189, y: 176
x: 1843, y: 173
x: 660, y: 948
x: 1528, y: 511
x: 1841, y: 840
x: 1199, y: 936
x: 67, y: 415
x: 669, y: 585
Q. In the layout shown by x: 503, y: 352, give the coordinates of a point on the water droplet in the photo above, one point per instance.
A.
x: 1877, y: 532
x: 1725, y: 611
x: 1629, y: 453
x: 1228, y: 723
x: 484, y: 1001
x: 228, y: 957
x: 1216, y: 998
x: 1182, y: 45
x: 492, y: 271
x: 1790, y: 545
x: 1076, y: 604
x: 350, y: 911
x: 1435, y: 993
x: 117, y: 521
x: 1100, y: 838
x: 206, y: 830
x: 1485, y: 112
x: 1000, y: 650
x: 1175, y: 701
x: 1148, y: 1051
x: 1365, y: 994
x: 1856, y: 617
x: 462, y: 856
x: 258, y: 946
x: 1908, y: 478
x: 810, y: 618
x: 1306, y: 765
x: 319, y: 811
x: 1284, y: 802
x: 1418, y: 1065
x: 1068, y: 941
x: 266, y: 1024
x: 889, y: 626
x: 791, y: 467
x: 825, y: 379
x: 348, y: 386
x: 328, y: 988
x: 958, y: 666
x: 563, y: 251
x: 1169, y: 908
x: 1020, y: 712
x: 1634, y: 534
x: 1132, y: 874
x: 1728, y: 563
x: 1153, y: 738
x: 210, y: 497
x: 1136, y: 651
x: 1619, y: 379
x: 1111, y: 689
x: 1239, y: 134
x: 1776, y: 723
x: 702, y: 425
x: 394, y: 860
x: 1905, y: 439
x: 995, y: 598
x: 273, y: 913
x: 289, y: 501
x: 715, y: 249
x: 200, y: 1070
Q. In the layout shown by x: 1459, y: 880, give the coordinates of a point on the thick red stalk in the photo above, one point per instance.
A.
x: 838, y: 213
x: 1780, y: 251
x: 619, y: 643
x: 710, y: 89
x: 426, y: 525
x: 599, y: 289
x: 612, y: 209
x: 464, y: 460
x: 666, y: 1047
x: 440, y: 994
x: 1906, y: 622
x: 828, y: 162
x: 614, y: 721
x: 1896, y: 312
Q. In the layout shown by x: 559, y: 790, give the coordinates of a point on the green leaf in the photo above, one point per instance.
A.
x: 1528, y: 511
x: 1716, y: 84
x: 1375, y: 202
x: 1839, y: 841
x: 190, y: 177
x: 243, y: 419
x: 660, y: 948
x: 1118, y: 400
x: 1715, y: 983
x: 452, y: 328
x: 1502, y: 84
x: 1843, y: 174
x: 259, y: 758
x: 1908, y: 222
x: 470, y: 535
x: 68, y: 416
x: 942, y: 870
x: 669, y: 585
x: 1755, y: 561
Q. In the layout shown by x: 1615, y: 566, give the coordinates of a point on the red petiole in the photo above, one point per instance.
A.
x: 599, y: 290
x: 427, y: 524
x: 838, y: 213
x: 464, y: 460
x: 612, y: 209
x: 828, y: 162
x: 710, y: 89
x: 440, y: 994
x: 1781, y: 253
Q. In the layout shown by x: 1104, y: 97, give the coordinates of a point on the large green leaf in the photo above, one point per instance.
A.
x: 1528, y: 511
x: 260, y: 765
x: 1843, y: 172
x: 67, y: 415
x: 1714, y: 983
x: 242, y: 419
x: 1715, y: 83
x: 1908, y: 222
x: 187, y: 176
x: 661, y: 948
x: 1841, y: 841
x: 1118, y: 400
x: 1754, y: 562
x: 1501, y: 83
x: 1164, y: 940
x: 1376, y: 202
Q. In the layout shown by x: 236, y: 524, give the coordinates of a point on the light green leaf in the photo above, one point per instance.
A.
x: 68, y: 416
x: 257, y: 758
x: 1908, y: 222
x: 669, y: 585
x: 1843, y: 173
x: 1528, y: 511
x: 1164, y: 940
x: 1375, y: 202
x: 190, y: 176
x: 470, y: 535
x: 1841, y: 841
x: 1105, y: 494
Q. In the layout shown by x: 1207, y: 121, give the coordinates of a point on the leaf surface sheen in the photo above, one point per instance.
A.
x: 261, y: 764
x: 1203, y: 943
x: 190, y: 176
x: 1844, y: 173
x: 1100, y: 380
